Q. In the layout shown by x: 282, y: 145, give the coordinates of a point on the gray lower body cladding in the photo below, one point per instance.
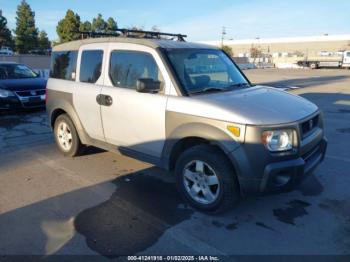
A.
x: 256, y: 169
x: 260, y: 171
x: 58, y: 101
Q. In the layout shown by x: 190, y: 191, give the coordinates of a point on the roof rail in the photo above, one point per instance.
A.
x: 122, y: 32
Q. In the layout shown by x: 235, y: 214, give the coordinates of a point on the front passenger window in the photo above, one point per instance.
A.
x: 126, y: 67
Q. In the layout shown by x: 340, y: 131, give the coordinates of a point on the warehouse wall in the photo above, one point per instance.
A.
x: 308, y: 48
x: 33, y: 61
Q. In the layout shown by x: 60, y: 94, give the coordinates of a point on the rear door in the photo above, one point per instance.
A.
x: 134, y: 120
x: 89, y: 84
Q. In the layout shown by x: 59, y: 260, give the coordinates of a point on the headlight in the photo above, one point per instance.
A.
x: 5, y: 93
x: 278, y: 140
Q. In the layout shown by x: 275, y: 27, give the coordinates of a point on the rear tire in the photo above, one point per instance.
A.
x: 66, y: 136
x: 206, y: 179
x: 313, y: 65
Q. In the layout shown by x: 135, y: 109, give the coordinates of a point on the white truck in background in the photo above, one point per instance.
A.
x: 339, y: 61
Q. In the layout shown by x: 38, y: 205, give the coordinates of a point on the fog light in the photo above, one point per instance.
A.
x: 281, y: 179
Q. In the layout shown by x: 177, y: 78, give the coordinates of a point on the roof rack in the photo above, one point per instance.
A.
x: 122, y: 32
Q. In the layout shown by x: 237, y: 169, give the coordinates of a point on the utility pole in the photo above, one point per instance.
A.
x: 223, y: 33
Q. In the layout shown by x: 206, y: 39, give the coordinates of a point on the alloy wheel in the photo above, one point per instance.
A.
x: 201, y: 182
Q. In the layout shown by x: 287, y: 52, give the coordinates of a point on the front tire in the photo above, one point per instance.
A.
x: 206, y: 179
x: 66, y: 136
x: 313, y: 65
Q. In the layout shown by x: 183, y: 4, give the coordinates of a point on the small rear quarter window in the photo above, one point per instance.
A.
x: 90, y: 66
x: 63, y: 65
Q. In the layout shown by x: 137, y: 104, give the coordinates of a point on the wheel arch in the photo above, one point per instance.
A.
x: 193, y: 134
x: 60, y: 107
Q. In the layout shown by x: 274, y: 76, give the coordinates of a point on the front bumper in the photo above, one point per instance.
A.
x: 276, y: 176
x: 285, y: 175
x: 15, y: 102
x: 260, y: 171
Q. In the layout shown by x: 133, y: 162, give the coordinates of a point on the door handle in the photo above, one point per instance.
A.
x: 99, y: 99
x: 108, y: 100
x: 104, y: 100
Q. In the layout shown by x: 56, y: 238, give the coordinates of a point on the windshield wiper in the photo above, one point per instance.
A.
x: 238, y: 85
x: 220, y: 89
x: 209, y: 89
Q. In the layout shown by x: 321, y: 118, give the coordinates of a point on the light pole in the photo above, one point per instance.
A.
x: 223, y: 33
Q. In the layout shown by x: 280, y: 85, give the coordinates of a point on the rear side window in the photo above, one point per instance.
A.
x: 126, y: 67
x: 63, y: 65
x: 90, y: 66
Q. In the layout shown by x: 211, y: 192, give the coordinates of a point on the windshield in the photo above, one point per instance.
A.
x: 15, y: 71
x: 204, y: 70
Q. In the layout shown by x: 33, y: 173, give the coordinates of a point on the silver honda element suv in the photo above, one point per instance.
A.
x: 185, y: 107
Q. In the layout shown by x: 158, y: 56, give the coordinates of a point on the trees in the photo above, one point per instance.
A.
x: 26, y: 32
x: 67, y: 28
x: 136, y: 28
x: 5, y: 33
x: 255, y: 52
x: 155, y: 28
x: 99, y: 24
x: 111, y: 25
x: 86, y: 26
x: 43, y: 41
x: 228, y: 50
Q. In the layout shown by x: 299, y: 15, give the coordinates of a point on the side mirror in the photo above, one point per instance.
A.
x: 148, y: 85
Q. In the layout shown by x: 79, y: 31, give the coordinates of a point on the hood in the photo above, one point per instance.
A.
x: 23, y: 84
x: 261, y: 105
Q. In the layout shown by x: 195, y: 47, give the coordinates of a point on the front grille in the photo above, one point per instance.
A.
x: 308, y: 155
x: 34, y: 104
x: 307, y: 126
x: 31, y: 93
x: 312, y: 157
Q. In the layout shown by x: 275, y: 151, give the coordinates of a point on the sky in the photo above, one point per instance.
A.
x: 201, y: 20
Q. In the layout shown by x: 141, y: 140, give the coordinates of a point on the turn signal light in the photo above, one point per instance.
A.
x: 234, y: 130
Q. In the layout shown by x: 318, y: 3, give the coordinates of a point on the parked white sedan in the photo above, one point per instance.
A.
x: 6, y: 51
